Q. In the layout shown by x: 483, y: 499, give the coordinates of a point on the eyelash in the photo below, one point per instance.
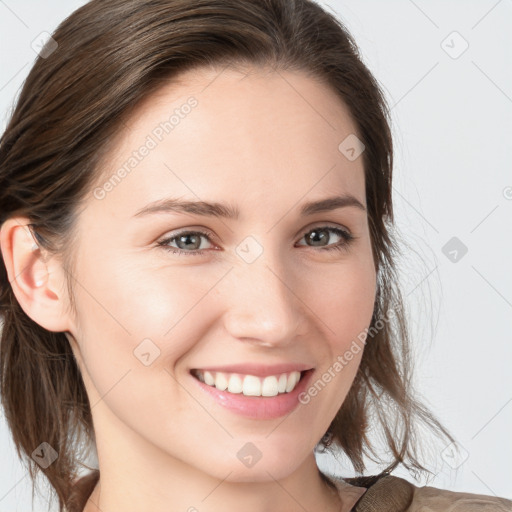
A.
x: 340, y: 246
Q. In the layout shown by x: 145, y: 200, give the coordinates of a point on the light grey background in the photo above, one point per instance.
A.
x: 452, y: 123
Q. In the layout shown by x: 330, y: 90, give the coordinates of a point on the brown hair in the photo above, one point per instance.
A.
x: 111, y: 56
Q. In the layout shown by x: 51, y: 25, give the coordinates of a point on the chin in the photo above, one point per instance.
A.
x: 260, y: 472
x: 263, y: 460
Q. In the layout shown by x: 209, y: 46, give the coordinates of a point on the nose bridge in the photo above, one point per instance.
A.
x: 261, y: 303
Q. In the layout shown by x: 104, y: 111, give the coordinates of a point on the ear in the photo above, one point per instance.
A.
x: 39, y: 285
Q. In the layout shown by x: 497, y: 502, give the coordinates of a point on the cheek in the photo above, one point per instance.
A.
x: 133, y: 328
x: 344, y: 300
x: 135, y: 325
x: 127, y: 302
x: 343, y: 296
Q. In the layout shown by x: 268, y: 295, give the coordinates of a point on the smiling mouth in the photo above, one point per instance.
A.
x: 250, y: 385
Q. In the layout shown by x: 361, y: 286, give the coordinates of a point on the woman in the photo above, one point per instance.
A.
x: 198, y: 265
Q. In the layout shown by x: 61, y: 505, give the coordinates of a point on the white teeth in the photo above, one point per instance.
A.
x: 220, y: 381
x: 281, y: 386
x: 292, y: 381
x: 209, y: 379
x: 269, y: 387
x: 250, y: 385
x: 235, y: 384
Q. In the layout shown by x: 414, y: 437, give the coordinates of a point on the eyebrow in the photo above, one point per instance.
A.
x: 228, y: 211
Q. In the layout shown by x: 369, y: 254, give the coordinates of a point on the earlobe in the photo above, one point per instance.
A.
x: 36, y: 283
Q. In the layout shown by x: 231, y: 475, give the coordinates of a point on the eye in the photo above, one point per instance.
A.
x: 189, y: 242
x: 185, y: 240
x: 320, y: 237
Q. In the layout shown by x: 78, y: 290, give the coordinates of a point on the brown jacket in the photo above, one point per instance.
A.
x: 388, y: 493
x: 385, y: 493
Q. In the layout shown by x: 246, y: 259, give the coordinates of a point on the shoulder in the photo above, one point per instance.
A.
x: 387, y: 493
x: 432, y: 498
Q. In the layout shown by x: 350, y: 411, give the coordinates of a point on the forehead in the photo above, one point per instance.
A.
x: 219, y: 133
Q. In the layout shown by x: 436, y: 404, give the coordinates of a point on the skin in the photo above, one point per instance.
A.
x: 267, y: 142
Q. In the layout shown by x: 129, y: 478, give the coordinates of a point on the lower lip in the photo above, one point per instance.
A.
x: 258, y: 407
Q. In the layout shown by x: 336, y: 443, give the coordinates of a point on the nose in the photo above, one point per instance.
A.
x: 262, y: 302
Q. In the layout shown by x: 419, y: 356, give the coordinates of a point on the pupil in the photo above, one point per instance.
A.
x: 318, y: 235
x: 185, y: 237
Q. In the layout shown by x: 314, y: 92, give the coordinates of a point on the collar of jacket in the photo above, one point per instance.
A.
x: 385, y: 493
x: 388, y: 493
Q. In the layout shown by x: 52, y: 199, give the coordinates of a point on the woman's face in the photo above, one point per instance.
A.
x: 258, y: 295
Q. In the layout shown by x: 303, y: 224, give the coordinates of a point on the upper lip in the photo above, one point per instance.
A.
x: 258, y: 370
